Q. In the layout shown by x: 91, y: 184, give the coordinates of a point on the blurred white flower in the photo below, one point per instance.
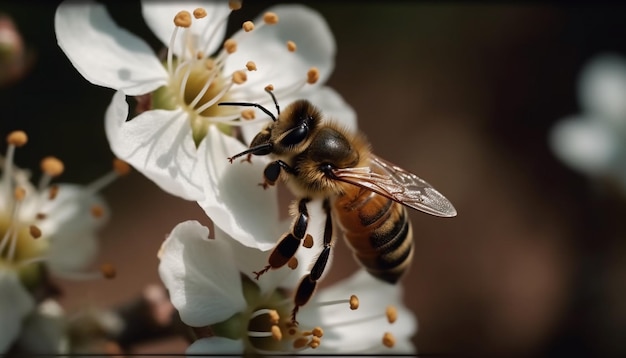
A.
x: 45, y: 330
x: 177, y: 130
x: 15, y: 304
x: 594, y: 141
x: 211, y: 284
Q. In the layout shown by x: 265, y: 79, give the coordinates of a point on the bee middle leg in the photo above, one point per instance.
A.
x: 272, y: 172
x: 286, y: 248
x: 309, y: 282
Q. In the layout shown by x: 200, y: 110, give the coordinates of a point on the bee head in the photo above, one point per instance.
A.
x: 293, y: 129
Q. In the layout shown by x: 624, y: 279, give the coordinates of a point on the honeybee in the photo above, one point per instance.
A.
x: 366, y: 194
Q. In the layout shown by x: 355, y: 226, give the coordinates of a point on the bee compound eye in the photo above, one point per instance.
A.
x: 295, y: 136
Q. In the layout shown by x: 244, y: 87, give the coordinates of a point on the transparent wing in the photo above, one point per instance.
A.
x: 395, y: 183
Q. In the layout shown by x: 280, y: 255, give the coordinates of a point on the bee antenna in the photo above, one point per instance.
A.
x: 250, y: 104
x: 273, y: 99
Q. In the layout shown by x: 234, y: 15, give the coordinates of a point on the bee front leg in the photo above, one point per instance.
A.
x: 286, y: 248
x: 309, y: 282
x: 272, y: 172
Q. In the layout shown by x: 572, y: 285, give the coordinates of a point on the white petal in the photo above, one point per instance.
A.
x: 15, y: 304
x: 158, y: 144
x: 105, y: 54
x: 374, y: 296
x: 44, y: 330
x: 585, y: 145
x: 602, y: 89
x: 159, y: 16
x: 215, y: 345
x: 233, y: 199
x: 201, y: 276
x: 266, y: 46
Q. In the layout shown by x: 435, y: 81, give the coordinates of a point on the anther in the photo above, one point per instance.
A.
x: 269, y: 87
x: 35, y: 232
x: 389, y: 340
x: 52, y: 166
x: 19, y: 193
x: 234, y: 4
x: 300, y: 342
x: 120, y: 167
x: 354, y: 302
x: 274, y: 317
x: 313, y: 75
x: 293, y: 263
x: 108, y: 271
x: 308, y: 241
x: 315, y: 342
x: 247, y: 114
x: 276, y: 333
x: 230, y: 46
x: 97, y: 211
x: 248, y: 26
x: 251, y: 66
x: 53, y: 192
x: 183, y: 19
x: 270, y: 18
x: 318, y: 332
x: 17, y: 138
x: 239, y: 77
x: 199, y: 13
x: 291, y: 46
x: 391, y: 313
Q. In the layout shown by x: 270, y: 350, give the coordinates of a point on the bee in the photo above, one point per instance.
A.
x: 367, y: 195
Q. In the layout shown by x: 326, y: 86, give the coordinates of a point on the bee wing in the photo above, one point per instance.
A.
x: 395, y: 183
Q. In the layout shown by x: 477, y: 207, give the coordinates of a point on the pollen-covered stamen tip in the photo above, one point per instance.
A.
x: 52, y: 166
x: 269, y: 87
x: 120, y: 167
x: 182, y: 19
x: 291, y: 46
x: 389, y: 340
x: 199, y: 13
x: 313, y: 75
x: 354, y: 302
x: 251, y: 66
x: 35, y: 232
x: 108, y: 271
x: 239, y: 77
x: 248, y: 26
x: 248, y: 114
x: 391, y: 313
x: 270, y: 18
x: 17, y: 138
x: 315, y: 342
x: 234, y: 4
x: 97, y: 211
x: 230, y: 46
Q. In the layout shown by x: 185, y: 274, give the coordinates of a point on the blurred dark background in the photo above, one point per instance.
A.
x: 462, y: 95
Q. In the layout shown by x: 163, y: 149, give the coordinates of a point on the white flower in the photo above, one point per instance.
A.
x: 45, y: 330
x: 594, y: 142
x: 210, y: 283
x: 15, y: 304
x: 164, y: 142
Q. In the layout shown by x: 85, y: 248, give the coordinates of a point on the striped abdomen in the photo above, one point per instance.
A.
x: 379, y: 232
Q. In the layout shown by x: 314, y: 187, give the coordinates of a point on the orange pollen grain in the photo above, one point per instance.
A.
x: 308, y: 241
x: 291, y: 46
x: 35, y: 232
x: 97, y: 211
x: 108, y: 271
x: 52, y: 166
x: 230, y: 45
x: 354, y: 302
x: 312, y: 76
x: 276, y: 333
x: 54, y: 191
x: 239, y: 77
x: 17, y: 138
x: 269, y: 87
x: 19, y: 193
x: 120, y: 167
x: 318, y: 332
x: 251, y: 66
x: 199, y: 13
x: 293, y: 263
x: 248, y: 26
x: 389, y: 340
x: 270, y: 18
x: 247, y: 114
x: 391, y: 313
x: 183, y: 19
x: 234, y: 4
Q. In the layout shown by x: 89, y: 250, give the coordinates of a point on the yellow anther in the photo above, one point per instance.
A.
x: 276, y: 333
x: 251, y: 66
x: 354, y: 302
x: 291, y: 46
x: 234, y: 4
x: 293, y: 263
x: 120, y: 167
x: 19, y: 193
x: 230, y: 45
x: 52, y: 166
x: 17, y: 138
x: 248, y: 26
x: 97, y: 211
x: 54, y: 191
x: 392, y: 314
x: 108, y: 271
x: 313, y: 75
x: 35, y: 232
x: 270, y: 18
x: 318, y: 332
x: 315, y: 342
x: 199, y: 13
x: 308, y: 241
x: 247, y: 114
x: 182, y: 19
x: 239, y: 77
x: 389, y: 340
x: 300, y: 342
x: 274, y: 317
x: 269, y: 87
